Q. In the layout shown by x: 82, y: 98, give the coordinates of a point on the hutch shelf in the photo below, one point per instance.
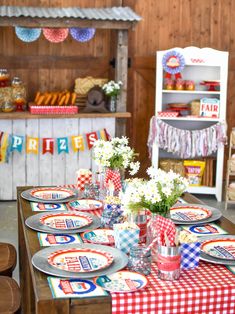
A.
x: 200, y: 65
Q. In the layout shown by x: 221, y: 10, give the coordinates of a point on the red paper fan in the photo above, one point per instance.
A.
x: 55, y: 35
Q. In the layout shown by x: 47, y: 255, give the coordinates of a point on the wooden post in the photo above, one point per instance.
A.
x: 121, y: 75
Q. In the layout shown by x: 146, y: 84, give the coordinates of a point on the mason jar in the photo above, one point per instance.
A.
x: 140, y: 260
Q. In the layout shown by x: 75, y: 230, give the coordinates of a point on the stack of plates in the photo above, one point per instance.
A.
x: 218, y: 249
x: 79, y: 260
x: 50, y: 195
x: 194, y: 214
x: 57, y: 222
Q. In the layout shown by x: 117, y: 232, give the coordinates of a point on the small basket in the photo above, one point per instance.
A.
x: 172, y: 164
x: 195, y: 107
x: 168, y: 114
x: 53, y: 109
x: 83, y: 85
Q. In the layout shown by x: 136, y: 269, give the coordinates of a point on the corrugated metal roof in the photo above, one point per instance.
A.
x: 104, y: 14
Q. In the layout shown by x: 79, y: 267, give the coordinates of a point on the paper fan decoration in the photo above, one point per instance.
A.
x: 173, y: 63
x: 27, y: 34
x: 55, y: 35
x: 82, y: 34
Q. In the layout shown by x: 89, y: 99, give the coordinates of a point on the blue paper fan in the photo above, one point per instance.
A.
x: 27, y: 34
x: 82, y: 34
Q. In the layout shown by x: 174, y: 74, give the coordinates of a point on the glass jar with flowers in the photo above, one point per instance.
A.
x: 115, y: 156
x: 157, y: 195
x: 112, y: 89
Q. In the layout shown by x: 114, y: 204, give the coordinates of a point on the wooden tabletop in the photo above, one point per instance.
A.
x: 36, y: 294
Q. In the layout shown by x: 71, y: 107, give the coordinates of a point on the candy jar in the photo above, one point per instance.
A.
x: 20, y: 101
x: 4, y: 78
x: 179, y: 84
x: 189, y: 85
x: 168, y: 84
x: 7, y: 104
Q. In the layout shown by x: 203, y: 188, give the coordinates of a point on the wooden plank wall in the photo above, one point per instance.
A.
x: 165, y: 24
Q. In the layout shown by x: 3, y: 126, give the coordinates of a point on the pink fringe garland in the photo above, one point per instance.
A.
x: 186, y: 143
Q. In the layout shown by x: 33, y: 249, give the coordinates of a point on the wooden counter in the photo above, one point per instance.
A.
x: 47, y: 169
x: 36, y: 294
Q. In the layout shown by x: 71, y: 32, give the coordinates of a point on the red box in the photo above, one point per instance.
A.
x: 53, y: 109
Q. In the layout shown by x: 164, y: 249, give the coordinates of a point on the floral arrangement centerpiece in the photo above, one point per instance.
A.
x: 112, y: 88
x: 158, y: 194
x: 115, y: 156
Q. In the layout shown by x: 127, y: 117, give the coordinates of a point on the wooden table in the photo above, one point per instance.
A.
x: 36, y: 294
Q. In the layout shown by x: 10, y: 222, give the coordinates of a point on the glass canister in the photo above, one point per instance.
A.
x: 168, y: 262
x: 4, y: 78
x: 179, y: 84
x: 168, y: 84
x: 19, y: 101
x: 140, y: 260
x: 189, y: 85
x: 7, y: 104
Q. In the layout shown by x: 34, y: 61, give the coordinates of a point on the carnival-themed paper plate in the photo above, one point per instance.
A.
x: 85, y: 204
x: 65, y: 221
x: 215, y: 214
x: 29, y: 197
x: 34, y: 223
x: 216, y: 260
x: 122, y: 281
x: 40, y: 261
x: 190, y: 213
x: 51, y: 194
x: 80, y: 260
x: 99, y: 236
x: 220, y: 248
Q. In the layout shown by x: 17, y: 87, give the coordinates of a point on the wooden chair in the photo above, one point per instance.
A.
x: 10, y: 296
x: 7, y: 259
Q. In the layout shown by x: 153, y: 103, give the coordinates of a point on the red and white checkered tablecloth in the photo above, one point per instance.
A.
x: 207, y: 289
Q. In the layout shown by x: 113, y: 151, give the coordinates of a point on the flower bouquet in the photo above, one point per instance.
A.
x: 112, y: 88
x: 115, y: 156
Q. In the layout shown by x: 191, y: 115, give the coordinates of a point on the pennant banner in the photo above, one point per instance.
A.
x: 63, y: 145
x: 17, y: 143
x: 48, y: 145
x: 10, y: 143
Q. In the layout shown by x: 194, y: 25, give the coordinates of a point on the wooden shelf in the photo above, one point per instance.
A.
x: 27, y: 115
x: 190, y: 119
x: 165, y: 91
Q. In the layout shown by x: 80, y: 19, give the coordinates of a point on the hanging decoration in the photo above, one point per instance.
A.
x: 55, y: 35
x: 48, y: 145
x: 82, y: 34
x: 173, y: 63
x: 186, y: 143
x: 10, y: 143
x: 27, y: 34
x: 32, y: 145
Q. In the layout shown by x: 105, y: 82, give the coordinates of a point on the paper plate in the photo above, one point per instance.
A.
x: 215, y: 260
x: 34, y: 223
x: 122, y: 281
x: 220, y: 248
x: 85, y: 204
x: 99, y: 236
x: 80, y: 260
x: 65, y: 221
x: 40, y: 261
x: 189, y: 213
x: 51, y: 194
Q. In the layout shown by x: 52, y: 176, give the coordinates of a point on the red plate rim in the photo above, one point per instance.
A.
x: 89, y: 219
x: 216, y: 240
x: 108, y: 256
x: 125, y: 271
x: 83, y: 236
x: 209, y: 212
